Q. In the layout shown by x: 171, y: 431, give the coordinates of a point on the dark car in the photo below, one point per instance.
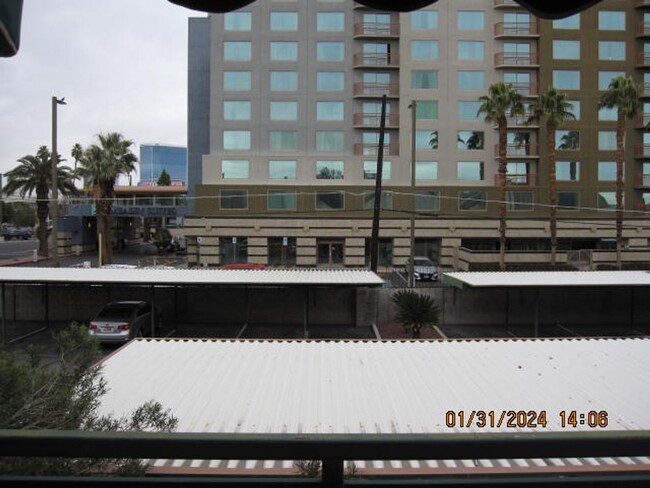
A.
x: 123, y: 321
x: 17, y: 233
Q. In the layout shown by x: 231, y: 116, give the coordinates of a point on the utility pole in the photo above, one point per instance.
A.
x: 54, y: 200
x: 411, y: 270
x: 374, y: 239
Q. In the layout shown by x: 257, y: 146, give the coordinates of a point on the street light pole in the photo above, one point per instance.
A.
x: 411, y: 270
x: 54, y: 200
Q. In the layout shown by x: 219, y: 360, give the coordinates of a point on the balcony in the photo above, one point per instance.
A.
x: 376, y: 29
x: 526, y: 179
x: 642, y: 180
x: 374, y: 90
x: 643, y: 120
x: 517, y: 150
x: 362, y: 120
x: 521, y: 121
x: 506, y: 4
x: 363, y: 149
x: 642, y: 59
x: 525, y: 89
x: 642, y: 151
x: 516, y: 29
x: 642, y: 3
x: 505, y: 59
x: 645, y: 87
x: 376, y: 60
x: 643, y: 29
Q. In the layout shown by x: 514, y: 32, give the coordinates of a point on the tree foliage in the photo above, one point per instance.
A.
x: 164, y: 179
x: 415, y: 311
x: 67, y: 396
x: 33, y: 176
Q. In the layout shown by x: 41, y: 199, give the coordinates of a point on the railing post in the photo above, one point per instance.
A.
x: 332, y: 472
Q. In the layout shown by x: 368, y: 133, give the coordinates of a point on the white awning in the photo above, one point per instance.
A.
x: 547, y: 279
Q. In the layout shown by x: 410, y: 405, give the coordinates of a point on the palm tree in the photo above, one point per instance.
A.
x: 100, y: 167
x: 77, y: 153
x: 415, y: 311
x: 34, y: 176
x: 622, y: 94
x: 556, y: 109
x: 501, y: 102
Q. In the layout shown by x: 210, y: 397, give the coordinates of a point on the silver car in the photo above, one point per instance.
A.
x: 123, y: 321
x: 423, y: 269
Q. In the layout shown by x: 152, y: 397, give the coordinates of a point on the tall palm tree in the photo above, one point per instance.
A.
x: 501, y: 102
x: 34, y: 176
x: 77, y: 153
x: 622, y: 94
x: 100, y: 166
x: 553, y: 106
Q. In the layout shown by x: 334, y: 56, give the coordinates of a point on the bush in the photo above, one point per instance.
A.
x: 415, y: 311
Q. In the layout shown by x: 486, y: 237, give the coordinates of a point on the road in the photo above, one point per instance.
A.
x: 17, y: 250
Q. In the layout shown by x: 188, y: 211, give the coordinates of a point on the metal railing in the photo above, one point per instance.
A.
x: 332, y: 450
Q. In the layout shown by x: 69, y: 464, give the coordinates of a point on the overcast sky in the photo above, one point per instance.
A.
x: 120, y: 64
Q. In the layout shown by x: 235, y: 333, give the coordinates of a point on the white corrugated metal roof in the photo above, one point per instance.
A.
x: 548, y: 278
x: 381, y: 387
x: 280, y: 277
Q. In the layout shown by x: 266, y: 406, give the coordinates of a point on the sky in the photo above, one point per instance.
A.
x: 120, y: 64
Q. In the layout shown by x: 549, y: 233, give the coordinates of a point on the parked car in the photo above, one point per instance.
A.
x: 123, y: 321
x: 17, y: 233
x: 423, y: 269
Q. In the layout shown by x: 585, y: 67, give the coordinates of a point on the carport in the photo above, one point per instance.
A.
x: 247, y: 283
x: 549, y: 288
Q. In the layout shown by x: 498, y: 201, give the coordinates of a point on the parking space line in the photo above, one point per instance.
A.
x: 440, y: 332
x: 375, y: 331
x: 566, y: 329
x: 242, y: 330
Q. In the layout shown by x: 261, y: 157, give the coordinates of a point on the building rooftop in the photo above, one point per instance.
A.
x: 547, y: 278
x: 378, y: 387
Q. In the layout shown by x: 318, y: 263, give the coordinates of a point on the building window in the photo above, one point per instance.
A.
x: 330, y: 21
x: 566, y: 49
x: 606, y: 140
x: 330, y: 81
x: 567, y: 140
x: 424, y: 78
x: 472, y: 200
x: 424, y: 50
x: 329, y: 200
x: 426, y: 110
x: 606, y: 77
x: 606, y: 170
x: 233, y: 199
x: 426, y: 170
x: 469, y: 171
x: 233, y: 250
x: 283, y: 51
x: 328, y: 111
x: 470, y: 140
x: 282, y: 200
x: 611, y: 51
x: 566, y: 79
x: 520, y: 200
x: 370, y: 170
x: 471, y: 80
x: 234, y: 169
x: 569, y: 23
x: 606, y: 199
x: 329, y: 170
x: 237, y: 80
x: 330, y: 51
x: 237, y: 21
x: 282, y: 140
x: 284, y: 21
x: 575, y: 108
x: 471, y: 50
x: 239, y: 110
x: 385, y: 204
x: 237, y: 51
x: 567, y: 170
x: 282, y: 169
x: 236, y: 139
x: 567, y: 200
x: 426, y: 139
x: 471, y: 20
x: 427, y: 200
x: 608, y: 20
x: 384, y: 252
x: 608, y: 114
x: 282, y: 251
x: 284, y: 110
x: 424, y: 19
x: 468, y: 110
x: 283, y: 80
x: 329, y: 140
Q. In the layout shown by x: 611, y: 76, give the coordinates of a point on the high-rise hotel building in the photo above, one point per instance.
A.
x: 283, y: 131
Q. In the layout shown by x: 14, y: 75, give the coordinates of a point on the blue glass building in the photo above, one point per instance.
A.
x: 156, y: 157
